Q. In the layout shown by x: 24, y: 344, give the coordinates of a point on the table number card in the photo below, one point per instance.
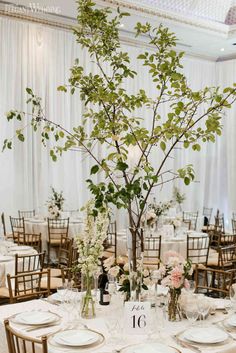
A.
x: 137, y: 318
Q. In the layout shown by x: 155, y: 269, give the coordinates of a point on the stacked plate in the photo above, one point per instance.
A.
x: 21, y: 250
x: 205, y: 335
x: 36, y: 318
x: 5, y: 258
x: 76, y: 339
x: 153, y: 347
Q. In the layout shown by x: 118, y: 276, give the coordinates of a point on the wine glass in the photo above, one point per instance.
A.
x: 191, y: 310
x: 232, y: 295
x: 203, y: 305
x: 191, y: 287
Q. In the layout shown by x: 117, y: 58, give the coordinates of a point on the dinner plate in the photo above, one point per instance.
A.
x: 37, y: 318
x: 205, y: 335
x: 4, y: 258
x: 153, y: 347
x: 231, y: 321
x: 76, y: 338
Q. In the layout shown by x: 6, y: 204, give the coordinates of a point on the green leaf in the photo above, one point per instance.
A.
x: 186, y: 181
x: 29, y: 91
x: 94, y: 169
x: 62, y: 88
x: 121, y: 166
x: 163, y: 145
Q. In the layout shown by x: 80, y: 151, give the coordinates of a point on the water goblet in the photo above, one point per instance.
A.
x: 191, y: 311
x: 203, y: 305
x: 232, y: 295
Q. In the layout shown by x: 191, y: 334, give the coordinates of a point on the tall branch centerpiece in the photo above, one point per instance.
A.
x: 113, y: 118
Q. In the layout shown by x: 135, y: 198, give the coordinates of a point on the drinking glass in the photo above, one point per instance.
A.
x: 203, y: 305
x: 191, y: 288
x: 191, y: 311
x: 232, y: 295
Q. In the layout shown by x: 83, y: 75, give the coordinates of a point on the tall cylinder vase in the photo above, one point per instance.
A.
x: 173, y: 305
x: 87, y: 301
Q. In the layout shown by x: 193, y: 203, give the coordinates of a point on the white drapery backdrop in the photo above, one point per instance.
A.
x: 40, y: 58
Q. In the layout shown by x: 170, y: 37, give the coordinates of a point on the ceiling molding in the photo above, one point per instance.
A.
x: 207, y: 25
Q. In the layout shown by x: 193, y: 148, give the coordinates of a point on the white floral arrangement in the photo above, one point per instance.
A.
x: 149, y: 217
x: 90, y: 241
x: 119, y: 269
x: 176, y: 222
x: 55, y: 204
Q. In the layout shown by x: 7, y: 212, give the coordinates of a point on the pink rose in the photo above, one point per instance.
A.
x: 176, y: 277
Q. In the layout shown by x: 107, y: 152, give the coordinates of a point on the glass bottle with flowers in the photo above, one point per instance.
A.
x: 90, y: 249
x: 174, y: 274
x: 55, y: 204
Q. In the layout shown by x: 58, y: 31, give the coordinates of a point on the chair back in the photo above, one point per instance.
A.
x: 65, y: 252
x: 152, y: 250
x: 207, y: 212
x: 3, y: 224
x: 234, y: 225
x: 191, y: 216
x: 110, y: 243
x: 57, y: 228
x: 18, y: 228
x: 33, y: 240
x: 26, y: 214
x: 29, y: 263
x: 213, y: 282
x: 18, y: 343
x: 198, y: 249
x: 215, y: 235
x: 27, y: 286
x: 227, y: 257
x: 219, y: 220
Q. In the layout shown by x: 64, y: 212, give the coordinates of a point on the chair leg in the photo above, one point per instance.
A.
x: 48, y: 254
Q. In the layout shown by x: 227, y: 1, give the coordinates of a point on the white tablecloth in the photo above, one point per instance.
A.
x: 36, y: 226
x: 9, y: 266
x: 178, y: 244
x: 98, y: 324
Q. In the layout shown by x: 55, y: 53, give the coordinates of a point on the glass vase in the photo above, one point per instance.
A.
x: 87, y: 301
x: 174, y: 313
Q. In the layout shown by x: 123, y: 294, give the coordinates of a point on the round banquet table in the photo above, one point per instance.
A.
x: 99, y: 324
x: 37, y: 226
x: 7, y: 259
x: 168, y: 242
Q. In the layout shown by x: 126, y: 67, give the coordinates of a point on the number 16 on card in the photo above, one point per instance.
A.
x: 137, y: 317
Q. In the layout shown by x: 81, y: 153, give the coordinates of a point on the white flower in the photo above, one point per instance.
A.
x: 126, y: 267
x: 145, y: 273
x: 114, y: 271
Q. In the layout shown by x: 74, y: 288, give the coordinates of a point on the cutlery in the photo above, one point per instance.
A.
x: 187, y: 345
x: 40, y: 327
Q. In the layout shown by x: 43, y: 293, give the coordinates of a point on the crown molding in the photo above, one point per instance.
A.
x: 174, y: 17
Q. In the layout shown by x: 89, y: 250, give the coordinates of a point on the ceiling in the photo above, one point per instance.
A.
x: 205, y: 28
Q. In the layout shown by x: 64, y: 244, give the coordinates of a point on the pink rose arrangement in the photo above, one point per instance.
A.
x: 175, y: 271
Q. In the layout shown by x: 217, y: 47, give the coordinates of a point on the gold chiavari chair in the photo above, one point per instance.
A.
x: 207, y: 213
x: 227, y: 257
x: 65, y: 256
x: 213, y: 282
x: 56, y: 228
x: 27, y: 286
x: 29, y: 263
x: 110, y: 243
x: 18, y: 228
x: 18, y: 343
x: 219, y: 221
x: 33, y: 240
x: 26, y: 214
x: 70, y: 274
x: 191, y: 216
x: 198, y: 249
x: 4, y: 229
x: 152, y: 251
x: 234, y: 225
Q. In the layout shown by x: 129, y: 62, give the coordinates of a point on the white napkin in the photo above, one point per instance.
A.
x: 35, y: 318
x: 76, y: 337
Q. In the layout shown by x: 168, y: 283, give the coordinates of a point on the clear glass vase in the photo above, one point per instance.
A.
x: 174, y: 313
x: 88, y: 301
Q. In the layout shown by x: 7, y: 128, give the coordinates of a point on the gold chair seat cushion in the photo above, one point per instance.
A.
x: 213, y: 260
x: 4, y: 292
x: 56, y: 242
x: 55, y: 272
x: 107, y: 253
x: 55, y: 282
